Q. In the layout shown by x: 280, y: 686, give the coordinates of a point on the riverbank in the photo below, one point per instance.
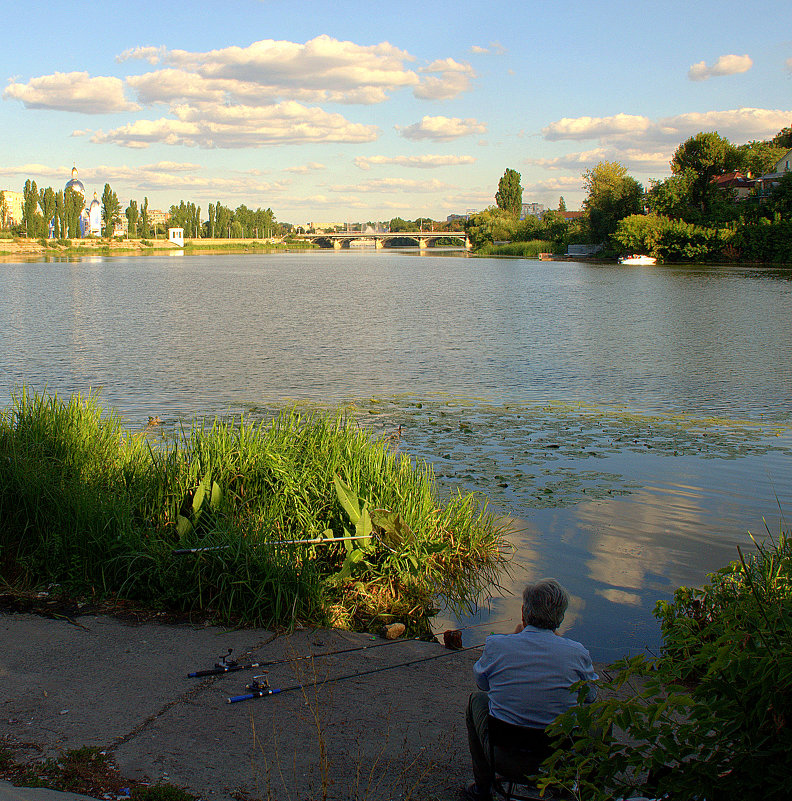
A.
x: 23, y: 248
x: 121, y: 686
x: 305, y: 519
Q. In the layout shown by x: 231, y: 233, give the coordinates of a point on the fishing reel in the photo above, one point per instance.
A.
x: 260, y: 682
x: 224, y: 663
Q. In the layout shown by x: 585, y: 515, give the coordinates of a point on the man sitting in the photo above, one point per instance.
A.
x: 526, y: 678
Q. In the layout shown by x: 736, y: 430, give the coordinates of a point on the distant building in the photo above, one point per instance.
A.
x: 769, y: 181
x: 569, y: 216
x: 737, y: 184
x: 176, y: 235
x: 531, y: 210
x: 157, y: 217
x: 14, y: 203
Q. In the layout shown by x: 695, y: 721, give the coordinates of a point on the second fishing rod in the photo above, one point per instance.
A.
x: 261, y: 689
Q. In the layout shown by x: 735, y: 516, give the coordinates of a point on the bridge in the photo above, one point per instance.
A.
x: 423, y: 239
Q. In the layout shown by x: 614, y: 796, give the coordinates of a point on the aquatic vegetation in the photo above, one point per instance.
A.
x: 541, y: 455
x: 100, y: 510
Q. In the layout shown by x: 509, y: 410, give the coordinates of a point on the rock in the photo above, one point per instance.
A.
x: 394, y: 630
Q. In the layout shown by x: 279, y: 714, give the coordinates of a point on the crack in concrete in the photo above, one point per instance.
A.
x: 183, y: 698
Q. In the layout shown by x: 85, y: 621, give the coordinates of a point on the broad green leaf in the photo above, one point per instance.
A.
x: 217, y: 495
x: 348, y: 499
x: 183, y: 526
x: 364, y: 529
x: 198, y: 498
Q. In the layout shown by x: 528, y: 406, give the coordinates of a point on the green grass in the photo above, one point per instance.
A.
x: 98, y: 510
x: 526, y: 250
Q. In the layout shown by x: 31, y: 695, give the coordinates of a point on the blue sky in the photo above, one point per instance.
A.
x: 357, y: 111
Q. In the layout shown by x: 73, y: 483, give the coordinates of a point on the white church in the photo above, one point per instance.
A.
x: 90, y: 215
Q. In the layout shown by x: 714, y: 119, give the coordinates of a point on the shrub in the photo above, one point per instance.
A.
x: 766, y: 242
x: 714, y: 718
x: 670, y: 240
x: 527, y: 250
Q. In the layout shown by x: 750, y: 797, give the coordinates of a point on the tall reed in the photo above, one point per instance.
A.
x: 98, y: 510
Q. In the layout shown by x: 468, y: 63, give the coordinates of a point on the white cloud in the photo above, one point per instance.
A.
x: 79, y: 132
x: 172, y: 166
x: 396, y: 185
x: 304, y: 169
x: 725, y: 65
x: 441, y: 129
x: 454, y: 78
x: 177, y: 85
x: 151, y: 54
x: 646, y: 146
x: 632, y: 158
x: 596, y: 127
x: 788, y: 63
x: 738, y: 125
x: 72, y: 91
x: 478, y: 50
x: 240, y: 126
x: 164, y: 176
x: 37, y: 171
x: 323, y: 63
x: 427, y: 161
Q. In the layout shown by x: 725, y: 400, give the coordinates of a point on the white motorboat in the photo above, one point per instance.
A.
x: 637, y: 258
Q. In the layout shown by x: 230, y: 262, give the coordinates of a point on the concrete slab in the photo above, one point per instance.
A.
x: 10, y: 793
x: 124, y: 688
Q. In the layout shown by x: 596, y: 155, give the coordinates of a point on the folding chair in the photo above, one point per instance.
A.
x: 515, y: 753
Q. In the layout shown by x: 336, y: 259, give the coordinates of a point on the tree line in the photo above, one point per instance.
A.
x: 49, y: 213
x: 686, y: 216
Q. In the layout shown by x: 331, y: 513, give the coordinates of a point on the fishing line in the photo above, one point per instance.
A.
x: 226, y: 665
x: 262, y: 689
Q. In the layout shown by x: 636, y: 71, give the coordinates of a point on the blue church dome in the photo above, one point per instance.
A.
x: 76, y: 184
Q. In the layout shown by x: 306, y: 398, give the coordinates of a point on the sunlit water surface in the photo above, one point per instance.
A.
x: 633, y: 424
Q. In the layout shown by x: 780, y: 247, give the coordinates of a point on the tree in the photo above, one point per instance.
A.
x: 671, y: 197
x: 611, y: 196
x: 509, y: 194
x: 30, y: 199
x: 758, y: 158
x: 145, y: 226
x: 561, y: 204
x: 783, y: 139
x: 490, y: 225
x: 398, y: 224
x: 111, y: 210
x: 3, y: 210
x: 47, y: 205
x: 133, y: 216
x: 707, y: 155
x: 72, y: 206
x: 211, y: 220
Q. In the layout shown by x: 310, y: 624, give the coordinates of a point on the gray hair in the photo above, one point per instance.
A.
x: 544, y: 604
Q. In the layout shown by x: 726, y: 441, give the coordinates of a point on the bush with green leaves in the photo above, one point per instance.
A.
x: 670, y: 240
x: 711, y: 717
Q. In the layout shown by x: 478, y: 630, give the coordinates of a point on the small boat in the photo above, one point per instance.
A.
x: 637, y: 258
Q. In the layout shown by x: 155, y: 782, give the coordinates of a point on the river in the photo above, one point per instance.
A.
x: 631, y: 424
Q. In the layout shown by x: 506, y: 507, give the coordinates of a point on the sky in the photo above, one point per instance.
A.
x: 350, y: 111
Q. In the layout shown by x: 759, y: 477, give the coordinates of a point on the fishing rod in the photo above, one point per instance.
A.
x: 313, y: 541
x: 260, y: 689
x: 226, y: 665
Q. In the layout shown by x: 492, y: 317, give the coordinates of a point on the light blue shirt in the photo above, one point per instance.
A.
x: 528, y: 675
